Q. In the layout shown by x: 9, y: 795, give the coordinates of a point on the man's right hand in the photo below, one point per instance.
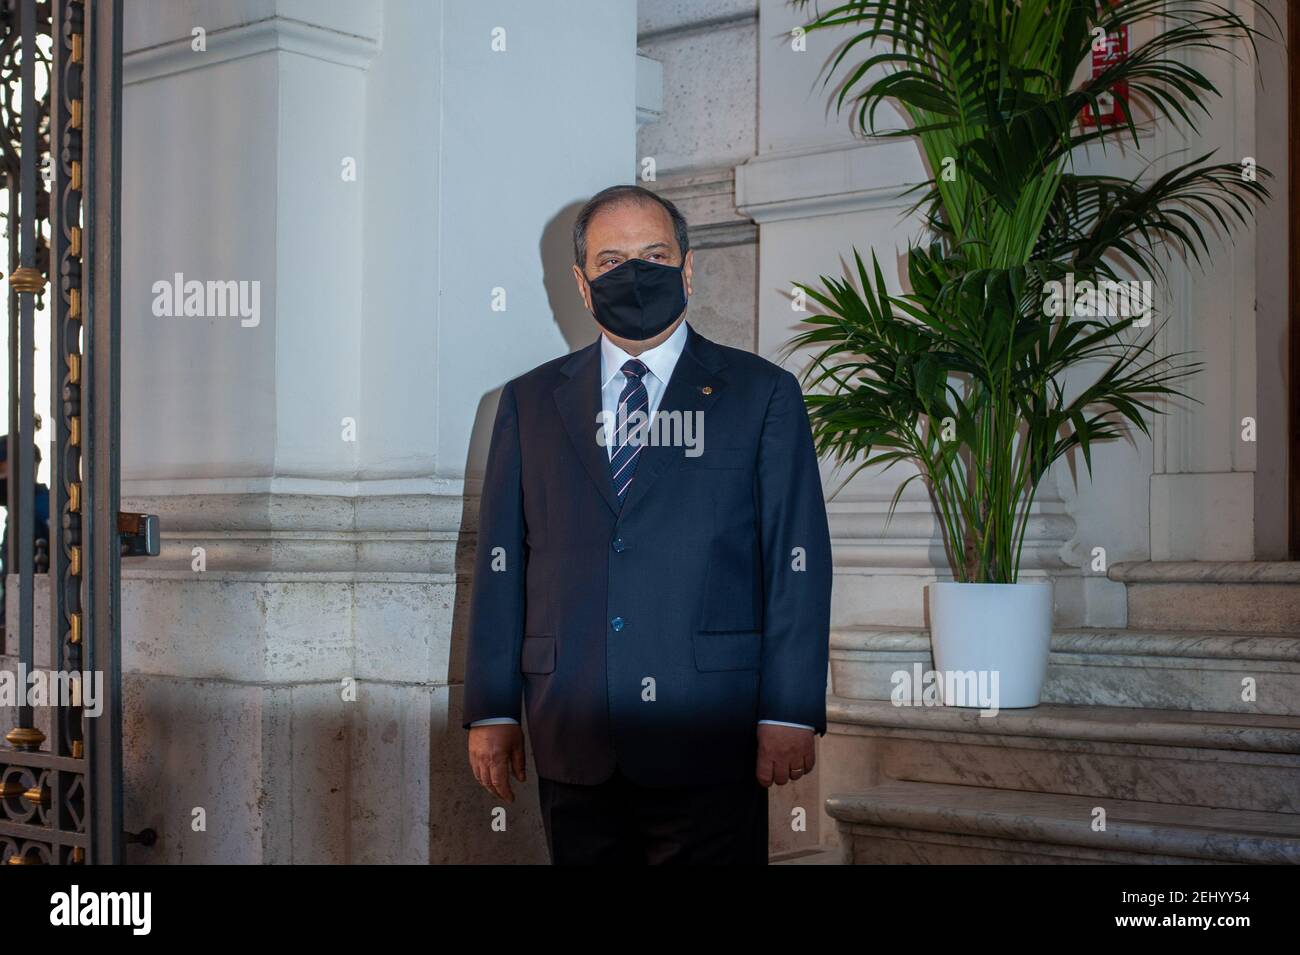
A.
x: 495, y: 752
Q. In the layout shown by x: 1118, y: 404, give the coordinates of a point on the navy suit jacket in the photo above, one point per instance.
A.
x: 651, y: 636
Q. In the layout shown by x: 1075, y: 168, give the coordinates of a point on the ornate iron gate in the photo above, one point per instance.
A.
x: 60, y: 772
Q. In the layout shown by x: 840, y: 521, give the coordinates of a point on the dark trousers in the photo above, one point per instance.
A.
x: 619, y: 822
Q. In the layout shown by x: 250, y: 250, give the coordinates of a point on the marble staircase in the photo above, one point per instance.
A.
x: 1176, y: 739
x: 925, y: 822
x: 1244, y: 597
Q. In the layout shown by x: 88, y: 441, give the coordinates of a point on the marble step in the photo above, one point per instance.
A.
x: 1218, y: 760
x: 832, y: 856
x: 1202, y: 671
x: 1242, y: 596
x: 915, y: 822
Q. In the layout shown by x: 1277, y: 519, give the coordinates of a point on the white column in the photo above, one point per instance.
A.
x: 319, y: 456
x: 1202, y: 491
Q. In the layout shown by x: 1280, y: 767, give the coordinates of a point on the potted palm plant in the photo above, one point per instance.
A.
x: 963, y: 376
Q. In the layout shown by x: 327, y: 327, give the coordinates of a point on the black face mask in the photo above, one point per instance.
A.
x: 638, y: 299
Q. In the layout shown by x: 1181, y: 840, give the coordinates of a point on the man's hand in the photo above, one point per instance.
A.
x: 494, y: 753
x: 784, y: 753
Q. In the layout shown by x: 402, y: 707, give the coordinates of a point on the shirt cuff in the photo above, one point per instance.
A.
x: 803, y: 726
x: 495, y: 720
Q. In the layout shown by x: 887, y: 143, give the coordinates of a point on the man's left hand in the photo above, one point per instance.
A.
x: 785, y: 753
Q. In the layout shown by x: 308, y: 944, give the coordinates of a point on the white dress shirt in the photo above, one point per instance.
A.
x: 660, y: 362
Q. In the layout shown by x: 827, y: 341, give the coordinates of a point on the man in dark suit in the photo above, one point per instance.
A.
x: 653, y: 570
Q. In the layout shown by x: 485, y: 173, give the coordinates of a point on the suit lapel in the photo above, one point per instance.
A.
x: 578, y: 400
x: 694, y: 372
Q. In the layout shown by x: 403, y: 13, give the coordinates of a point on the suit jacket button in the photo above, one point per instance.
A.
x: 619, y: 546
x: 617, y: 623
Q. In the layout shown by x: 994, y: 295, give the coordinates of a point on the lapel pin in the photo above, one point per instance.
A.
x: 707, y: 389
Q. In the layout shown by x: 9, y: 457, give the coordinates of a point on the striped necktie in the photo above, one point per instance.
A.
x: 627, y: 447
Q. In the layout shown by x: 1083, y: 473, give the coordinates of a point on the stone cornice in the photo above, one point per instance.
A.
x: 382, y: 529
x: 273, y: 34
x: 1207, y: 571
x: 312, y: 533
x: 866, y: 537
x: 671, y: 30
x: 707, y: 198
x: 827, y: 180
x: 289, y: 486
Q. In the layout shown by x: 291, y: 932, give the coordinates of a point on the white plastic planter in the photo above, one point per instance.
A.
x: 1001, y: 633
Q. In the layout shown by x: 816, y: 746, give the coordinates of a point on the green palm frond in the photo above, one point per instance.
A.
x: 964, y: 375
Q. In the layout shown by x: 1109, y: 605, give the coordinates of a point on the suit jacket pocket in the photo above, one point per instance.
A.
x: 538, y: 654
x: 728, y: 650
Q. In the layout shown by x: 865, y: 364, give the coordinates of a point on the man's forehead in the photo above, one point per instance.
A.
x: 647, y: 217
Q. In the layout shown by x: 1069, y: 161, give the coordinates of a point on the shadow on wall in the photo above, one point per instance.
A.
x: 523, y: 841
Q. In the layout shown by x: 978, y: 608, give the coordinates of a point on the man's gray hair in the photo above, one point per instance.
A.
x: 612, y: 196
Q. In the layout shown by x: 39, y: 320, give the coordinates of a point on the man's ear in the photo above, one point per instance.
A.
x: 584, y: 290
x: 688, y: 269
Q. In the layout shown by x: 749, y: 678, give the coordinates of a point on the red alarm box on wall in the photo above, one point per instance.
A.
x: 1111, y: 105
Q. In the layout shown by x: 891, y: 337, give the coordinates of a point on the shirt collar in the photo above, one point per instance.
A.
x: 660, y: 360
